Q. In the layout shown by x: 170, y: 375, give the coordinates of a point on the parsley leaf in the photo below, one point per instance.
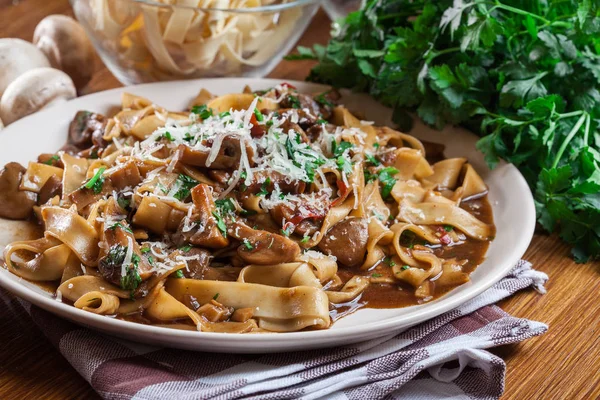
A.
x: 132, y: 278
x: 220, y: 223
x: 264, y: 188
x: 52, y: 160
x: 344, y: 165
x: 525, y: 76
x: 386, y: 178
x: 247, y: 244
x: 184, y: 184
x: 186, y: 248
x: 370, y: 158
x: 96, y: 182
x: 178, y: 274
x: 258, y: 115
x: 120, y: 225
x: 339, y: 149
x: 294, y: 101
x: 202, y: 111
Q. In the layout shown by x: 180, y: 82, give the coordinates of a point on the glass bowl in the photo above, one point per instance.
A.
x: 148, y: 41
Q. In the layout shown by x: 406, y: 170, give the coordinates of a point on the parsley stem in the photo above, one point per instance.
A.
x: 586, y: 130
x: 518, y: 11
x: 571, y: 114
x: 570, y: 136
x: 431, y: 56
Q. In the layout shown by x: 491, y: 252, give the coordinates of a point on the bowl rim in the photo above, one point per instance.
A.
x: 267, y: 8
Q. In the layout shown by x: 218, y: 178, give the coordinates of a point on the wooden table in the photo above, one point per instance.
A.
x: 562, y: 364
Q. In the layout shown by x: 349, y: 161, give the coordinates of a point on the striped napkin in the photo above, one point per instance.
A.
x: 443, y: 358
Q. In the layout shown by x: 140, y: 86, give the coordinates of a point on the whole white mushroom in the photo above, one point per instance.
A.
x: 17, y: 57
x: 33, y: 91
x: 67, y: 47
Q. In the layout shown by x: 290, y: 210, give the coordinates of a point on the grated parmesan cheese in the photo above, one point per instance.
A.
x: 128, y: 256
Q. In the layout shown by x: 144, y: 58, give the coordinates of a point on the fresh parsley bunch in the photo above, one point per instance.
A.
x: 525, y: 75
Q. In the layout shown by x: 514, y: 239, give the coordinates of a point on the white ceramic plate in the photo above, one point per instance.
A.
x: 510, y: 197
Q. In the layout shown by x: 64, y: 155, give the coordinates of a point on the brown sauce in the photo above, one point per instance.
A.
x: 396, y: 295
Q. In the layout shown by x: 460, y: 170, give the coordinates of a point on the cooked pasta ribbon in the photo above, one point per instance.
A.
x: 269, y: 211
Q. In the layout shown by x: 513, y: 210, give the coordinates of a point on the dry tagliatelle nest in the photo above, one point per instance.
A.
x: 188, y: 38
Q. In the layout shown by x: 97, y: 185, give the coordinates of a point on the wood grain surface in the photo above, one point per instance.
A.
x: 562, y: 364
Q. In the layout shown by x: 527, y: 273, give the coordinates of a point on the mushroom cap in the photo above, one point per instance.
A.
x: 17, y: 57
x: 33, y: 91
x: 64, y: 41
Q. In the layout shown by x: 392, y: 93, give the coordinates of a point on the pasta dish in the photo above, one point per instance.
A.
x: 265, y: 211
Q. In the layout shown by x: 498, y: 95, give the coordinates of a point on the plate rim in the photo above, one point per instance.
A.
x: 365, y: 331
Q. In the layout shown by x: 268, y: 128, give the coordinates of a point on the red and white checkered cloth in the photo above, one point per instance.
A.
x: 413, y: 364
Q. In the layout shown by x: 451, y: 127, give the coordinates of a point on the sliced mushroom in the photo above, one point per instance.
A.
x: 67, y: 47
x: 14, y: 204
x: 263, y: 247
x: 17, y: 57
x: 33, y: 91
x: 87, y: 129
x: 205, y: 231
x: 347, y: 241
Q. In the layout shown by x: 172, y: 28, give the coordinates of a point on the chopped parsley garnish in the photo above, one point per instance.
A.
x: 225, y: 206
x: 376, y: 145
x: 216, y: 296
x: 340, y: 149
x: 162, y: 188
x: 247, y: 244
x: 220, y: 223
x: 321, y: 99
x: 96, y: 182
x: 166, y: 135
x: 120, y: 225
x: 370, y: 158
x: 310, y: 162
x: 188, y: 137
x: 376, y: 275
x: 202, y: 111
x: 52, y: 159
x: 132, y: 278
x: 392, y: 263
x: 224, y: 114
x: 305, y: 239
x: 301, y: 152
x: 405, y: 267
x: 114, y: 258
x: 145, y: 250
x: 344, y: 165
x: 178, y: 274
x: 243, y: 175
x: 386, y: 178
x: 123, y: 202
x: 258, y: 115
x: 186, y: 248
x: 369, y: 177
x: 151, y: 260
x: 321, y: 121
x: 185, y: 186
x: 264, y: 188
x: 294, y: 101
x: 448, y: 228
